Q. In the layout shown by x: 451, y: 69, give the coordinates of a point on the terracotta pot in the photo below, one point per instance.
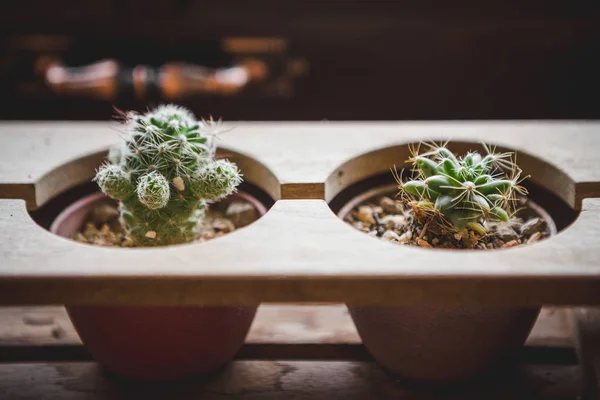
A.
x: 442, y: 345
x: 155, y: 342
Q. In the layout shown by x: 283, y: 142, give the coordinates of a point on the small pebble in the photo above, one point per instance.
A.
x: 472, y: 240
x: 365, y: 214
x: 512, y: 243
x: 90, y: 230
x: 504, y: 232
x: 532, y: 226
x: 534, y: 238
x: 393, y: 221
x: 391, y: 235
x: 79, y: 237
x: 435, y: 241
x: 423, y: 243
x: 405, y: 237
x: 223, y: 225
x: 391, y: 206
x: 105, y: 230
x: 377, y: 210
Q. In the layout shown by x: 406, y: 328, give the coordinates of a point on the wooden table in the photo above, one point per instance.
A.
x: 306, y: 352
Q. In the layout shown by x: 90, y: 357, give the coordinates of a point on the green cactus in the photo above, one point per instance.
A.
x: 466, y: 191
x: 164, y: 175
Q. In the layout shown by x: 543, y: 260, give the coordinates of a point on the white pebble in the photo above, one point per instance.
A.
x: 150, y: 234
x: 405, y: 237
x: 391, y: 235
x: 393, y: 221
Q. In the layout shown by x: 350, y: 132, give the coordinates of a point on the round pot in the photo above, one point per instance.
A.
x: 156, y: 342
x: 442, y: 345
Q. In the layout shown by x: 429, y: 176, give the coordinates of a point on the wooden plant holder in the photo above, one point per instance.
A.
x: 300, y: 252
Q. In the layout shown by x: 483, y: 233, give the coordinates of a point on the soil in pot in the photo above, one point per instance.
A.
x: 157, y: 343
x: 380, y: 214
x: 437, y: 344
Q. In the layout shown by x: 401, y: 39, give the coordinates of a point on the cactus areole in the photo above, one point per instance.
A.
x: 461, y: 192
x: 165, y: 174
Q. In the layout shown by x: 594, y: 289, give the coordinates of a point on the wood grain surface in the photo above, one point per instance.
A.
x: 254, y: 380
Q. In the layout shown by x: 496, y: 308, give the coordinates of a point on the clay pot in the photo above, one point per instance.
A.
x: 442, y: 345
x: 156, y: 342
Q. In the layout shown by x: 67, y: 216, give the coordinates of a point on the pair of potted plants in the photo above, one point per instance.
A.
x: 164, y: 184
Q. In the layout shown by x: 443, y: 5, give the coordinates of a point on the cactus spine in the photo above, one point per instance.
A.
x: 165, y: 174
x: 465, y: 191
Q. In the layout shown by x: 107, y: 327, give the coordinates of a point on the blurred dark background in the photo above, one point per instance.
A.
x: 302, y: 60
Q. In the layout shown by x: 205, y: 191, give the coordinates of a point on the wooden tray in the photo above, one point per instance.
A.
x: 300, y: 251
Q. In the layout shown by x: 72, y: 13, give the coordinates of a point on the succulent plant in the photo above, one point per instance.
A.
x: 165, y: 174
x: 466, y: 190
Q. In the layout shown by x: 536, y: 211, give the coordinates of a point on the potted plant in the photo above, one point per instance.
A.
x: 161, y: 186
x: 469, y: 202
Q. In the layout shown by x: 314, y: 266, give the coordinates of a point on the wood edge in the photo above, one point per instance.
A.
x: 584, y: 191
x: 20, y: 191
x: 303, y: 191
x: 246, y: 290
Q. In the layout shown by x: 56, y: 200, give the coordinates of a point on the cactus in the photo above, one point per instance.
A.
x: 164, y: 175
x: 464, y: 191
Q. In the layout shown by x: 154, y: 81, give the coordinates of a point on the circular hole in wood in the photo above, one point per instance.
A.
x: 68, y: 212
x: 366, y: 179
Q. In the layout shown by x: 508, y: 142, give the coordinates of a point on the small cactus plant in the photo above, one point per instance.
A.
x: 165, y: 174
x: 464, y: 191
